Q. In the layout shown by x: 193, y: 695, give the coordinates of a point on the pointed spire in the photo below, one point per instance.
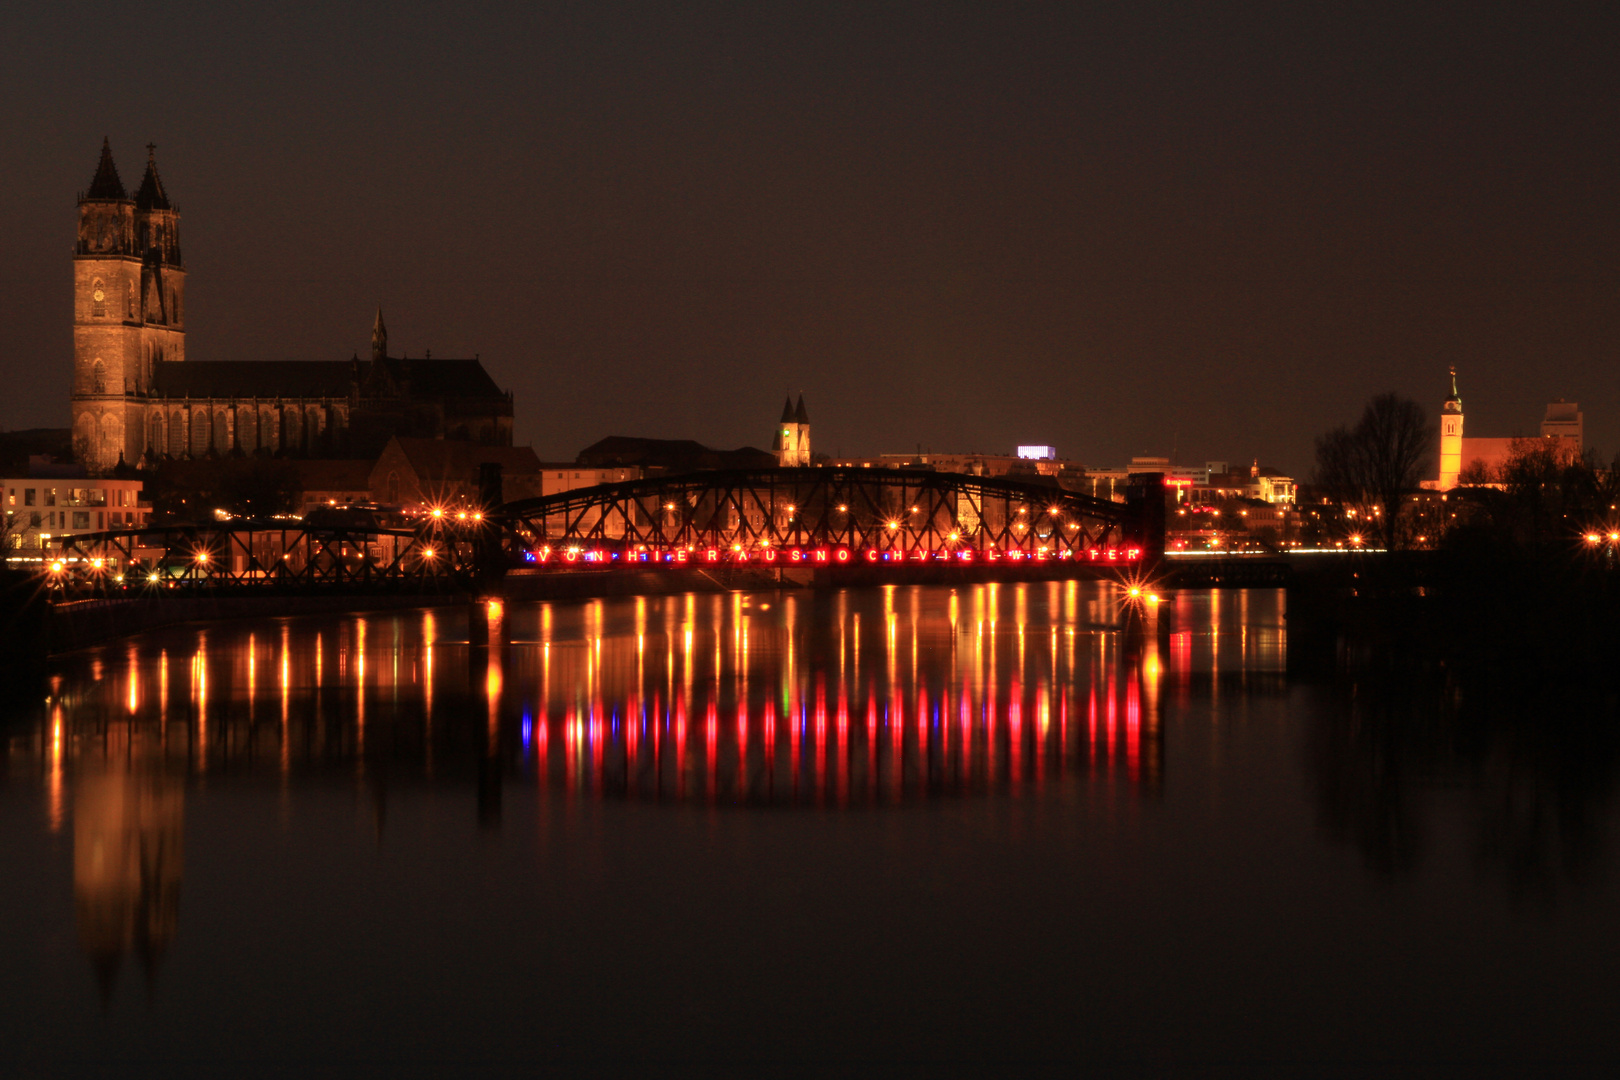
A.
x: 787, y: 409
x: 106, y: 184
x: 379, y: 339
x: 1454, y: 402
x: 150, y: 196
x: 799, y: 415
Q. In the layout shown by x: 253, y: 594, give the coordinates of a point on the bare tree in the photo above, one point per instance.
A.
x: 1379, y: 459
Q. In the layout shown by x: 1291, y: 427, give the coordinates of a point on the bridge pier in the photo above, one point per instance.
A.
x: 487, y: 623
x: 1144, y: 500
x: 1147, y: 623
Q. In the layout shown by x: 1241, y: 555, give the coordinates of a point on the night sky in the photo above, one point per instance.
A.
x: 1132, y: 228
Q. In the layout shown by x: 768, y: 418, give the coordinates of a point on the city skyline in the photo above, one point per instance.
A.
x: 1113, y: 234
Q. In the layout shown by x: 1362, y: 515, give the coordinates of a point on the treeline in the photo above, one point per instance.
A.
x: 1522, y: 582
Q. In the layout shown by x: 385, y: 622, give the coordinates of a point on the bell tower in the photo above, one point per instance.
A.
x: 162, y: 295
x: 1451, y: 435
x: 107, y: 281
x: 128, y: 309
x: 792, y: 441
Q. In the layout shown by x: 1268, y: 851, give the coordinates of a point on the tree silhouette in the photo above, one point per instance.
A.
x: 1378, y: 460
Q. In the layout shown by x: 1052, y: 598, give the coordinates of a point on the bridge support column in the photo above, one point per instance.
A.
x: 487, y: 623
x: 1144, y: 499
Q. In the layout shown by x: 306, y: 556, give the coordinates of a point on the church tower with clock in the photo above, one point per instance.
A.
x: 128, y: 308
x: 138, y: 399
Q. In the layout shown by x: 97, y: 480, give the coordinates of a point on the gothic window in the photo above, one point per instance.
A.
x: 98, y: 378
x: 129, y: 300
x: 200, y: 433
x: 112, y: 438
x: 98, y: 300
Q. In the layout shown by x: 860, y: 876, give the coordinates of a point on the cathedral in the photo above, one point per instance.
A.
x: 137, y: 400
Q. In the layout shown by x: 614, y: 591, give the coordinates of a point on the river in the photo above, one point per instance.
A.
x: 908, y: 824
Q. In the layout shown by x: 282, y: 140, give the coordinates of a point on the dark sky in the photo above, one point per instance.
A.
x: 1116, y: 228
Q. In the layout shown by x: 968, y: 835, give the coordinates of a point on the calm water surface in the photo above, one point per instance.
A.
x: 903, y: 823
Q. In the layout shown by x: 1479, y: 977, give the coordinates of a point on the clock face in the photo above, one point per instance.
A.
x: 99, y: 295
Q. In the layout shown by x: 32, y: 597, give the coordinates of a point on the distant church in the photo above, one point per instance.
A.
x: 792, y: 442
x: 1467, y: 459
x: 137, y: 399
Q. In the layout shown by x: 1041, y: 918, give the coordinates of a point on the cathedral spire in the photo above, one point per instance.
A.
x: 106, y: 184
x: 379, y: 339
x: 1454, y: 402
x: 150, y: 195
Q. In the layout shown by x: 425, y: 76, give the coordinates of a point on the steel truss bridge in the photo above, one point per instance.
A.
x: 263, y: 555
x: 869, y: 515
x: 758, y: 518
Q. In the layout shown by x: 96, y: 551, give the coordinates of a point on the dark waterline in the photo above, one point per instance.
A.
x: 894, y: 823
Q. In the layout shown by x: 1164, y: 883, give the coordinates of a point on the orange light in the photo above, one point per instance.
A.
x: 58, y: 566
x: 462, y: 516
x: 438, y: 511
x: 478, y: 515
x: 843, y: 509
x: 1592, y: 538
x: 427, y: 553
x: 202, y: 556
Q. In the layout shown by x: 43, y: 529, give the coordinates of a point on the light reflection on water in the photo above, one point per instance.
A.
x: 844, y: 698
x: 840, y: 700
x: 1008, y: 803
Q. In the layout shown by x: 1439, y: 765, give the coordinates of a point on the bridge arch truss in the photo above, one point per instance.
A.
x: 871, y: 509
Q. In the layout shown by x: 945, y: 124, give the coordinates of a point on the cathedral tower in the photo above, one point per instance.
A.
x: 792, y: 442
x: 1451, y: 435
x: 128, y: 298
